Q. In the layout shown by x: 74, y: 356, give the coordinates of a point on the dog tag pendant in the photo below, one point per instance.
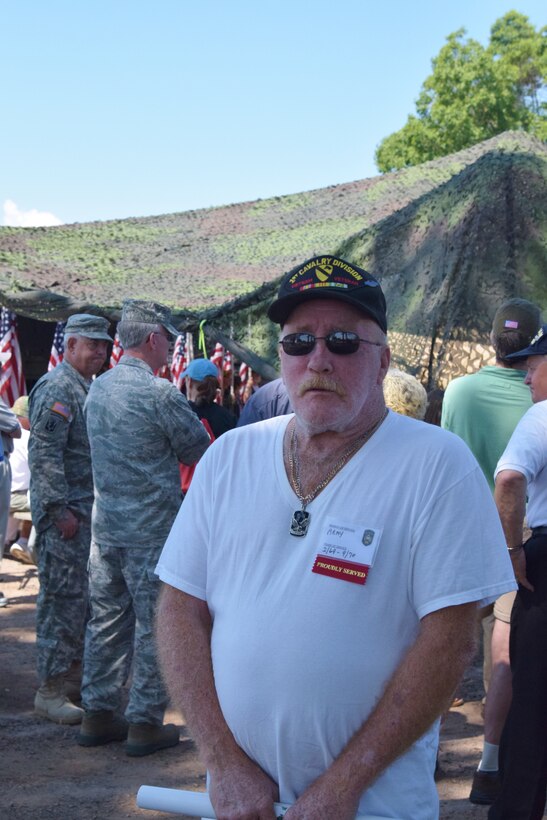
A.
x: 300, y: 523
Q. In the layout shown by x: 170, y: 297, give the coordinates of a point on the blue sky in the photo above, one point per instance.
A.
x: 119, y: 108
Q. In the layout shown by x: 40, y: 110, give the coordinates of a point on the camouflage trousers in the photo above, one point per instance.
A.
x: 62, y: 603
x: 123, y: 592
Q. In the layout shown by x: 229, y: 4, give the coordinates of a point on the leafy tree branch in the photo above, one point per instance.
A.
x: 475, y: 93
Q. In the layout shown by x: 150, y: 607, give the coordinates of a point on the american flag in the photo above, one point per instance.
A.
x: 57, y: 346
x: 227, y: 378
x: 178, y: 362
x: 246, y: 382
x: 243, y: 374
x: 218, y: 357
x: 12, y: 380
x: 117, y: 351
x: 189, y: 348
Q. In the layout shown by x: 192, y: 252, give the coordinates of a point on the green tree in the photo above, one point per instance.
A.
x: 475, y: 93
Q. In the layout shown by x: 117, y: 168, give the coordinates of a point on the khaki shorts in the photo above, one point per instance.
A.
x: 503, y: 607
x: 19, y: 504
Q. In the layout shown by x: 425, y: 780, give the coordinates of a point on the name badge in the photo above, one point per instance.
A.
x: 347, y: 551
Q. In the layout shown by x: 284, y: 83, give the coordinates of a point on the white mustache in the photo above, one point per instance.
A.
x: 321, y: 383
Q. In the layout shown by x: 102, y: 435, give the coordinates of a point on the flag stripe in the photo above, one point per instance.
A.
x: 178, y: 362
x: 12, y: 380
x: 57, y: 346
x: 117, y: 351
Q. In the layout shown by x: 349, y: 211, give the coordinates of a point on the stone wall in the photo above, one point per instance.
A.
x: 436, y: 365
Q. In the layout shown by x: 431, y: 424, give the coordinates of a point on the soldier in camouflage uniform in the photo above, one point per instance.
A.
x: 61, y: 498
x: 140, y: 427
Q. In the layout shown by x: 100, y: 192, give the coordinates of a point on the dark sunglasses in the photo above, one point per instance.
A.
x: 342, y: 342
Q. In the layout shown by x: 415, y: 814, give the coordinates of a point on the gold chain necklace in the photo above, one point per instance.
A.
x: 300, y: 522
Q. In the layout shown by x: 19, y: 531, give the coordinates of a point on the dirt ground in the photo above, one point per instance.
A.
x: 45, y: 774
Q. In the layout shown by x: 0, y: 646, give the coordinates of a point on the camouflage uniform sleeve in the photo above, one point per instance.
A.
x: 50, y: 418
x: 185, y: 431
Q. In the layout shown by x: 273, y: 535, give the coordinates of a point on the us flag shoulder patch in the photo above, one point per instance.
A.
x: 61, y: 410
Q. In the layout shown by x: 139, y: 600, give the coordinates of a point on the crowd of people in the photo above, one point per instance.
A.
x: 313, y: 602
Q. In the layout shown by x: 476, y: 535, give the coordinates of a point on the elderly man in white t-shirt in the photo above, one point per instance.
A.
x: 522, y: 473
x: 20, y: 516
x: 313, y: 643
x: 10, y: 430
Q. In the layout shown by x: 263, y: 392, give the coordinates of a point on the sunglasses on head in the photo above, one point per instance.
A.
x: 342, y: 342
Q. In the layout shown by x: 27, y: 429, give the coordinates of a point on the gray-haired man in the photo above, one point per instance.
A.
x: 61, y: 498
x: 140, y: 427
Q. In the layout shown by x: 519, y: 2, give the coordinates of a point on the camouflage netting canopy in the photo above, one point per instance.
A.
x: 449, y: 240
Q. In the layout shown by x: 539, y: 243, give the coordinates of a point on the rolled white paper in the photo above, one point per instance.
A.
x: 196, y: 804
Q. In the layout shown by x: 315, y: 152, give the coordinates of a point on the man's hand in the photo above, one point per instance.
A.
x: 518, y: 559
x: 239, y: 789
x: 322, y: 801
x: 418, y: 691
x: 67, y: 524
x: 242, y: 792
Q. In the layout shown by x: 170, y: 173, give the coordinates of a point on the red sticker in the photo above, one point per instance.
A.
x: 345, y: 570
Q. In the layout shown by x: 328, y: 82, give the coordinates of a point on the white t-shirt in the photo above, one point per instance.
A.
x: 526, y: 453
x: 300, y: 658
x: 20, y: 473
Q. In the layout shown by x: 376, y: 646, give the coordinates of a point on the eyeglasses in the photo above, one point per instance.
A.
x: 165, y: 335
x: 341, y: 342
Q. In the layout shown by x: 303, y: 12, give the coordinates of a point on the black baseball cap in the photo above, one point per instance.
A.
x: 537, y: 347
x: 328, y: 277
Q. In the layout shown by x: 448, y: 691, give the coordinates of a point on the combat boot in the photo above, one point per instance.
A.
x: 102, y: 727
x: 146, y: 738
x: 52, y: 703
x: 73, y: 682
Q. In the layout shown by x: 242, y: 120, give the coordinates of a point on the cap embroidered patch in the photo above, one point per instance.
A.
x: 510, y: 324
x: 328, y: 272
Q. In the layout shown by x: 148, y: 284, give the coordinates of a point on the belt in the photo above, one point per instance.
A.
x: 539, y: 530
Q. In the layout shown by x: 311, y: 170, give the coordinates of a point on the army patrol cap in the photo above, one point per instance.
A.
x: 149, y: 313
x: 92, y: 327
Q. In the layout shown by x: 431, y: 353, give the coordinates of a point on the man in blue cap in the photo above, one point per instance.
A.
x: 522, y: 473
x: 202, y: 387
